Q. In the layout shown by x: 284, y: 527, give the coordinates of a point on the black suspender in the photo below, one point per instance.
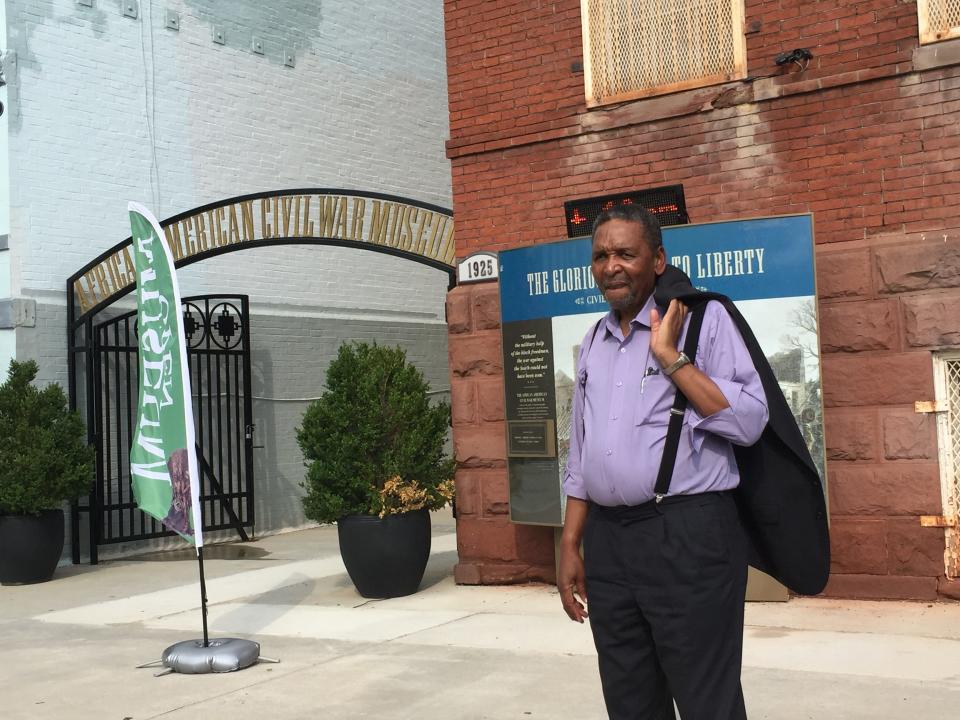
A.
x: 669, y: 458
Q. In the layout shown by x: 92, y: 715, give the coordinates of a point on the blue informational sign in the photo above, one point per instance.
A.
x: 742, y: 259
x: 549, y: 300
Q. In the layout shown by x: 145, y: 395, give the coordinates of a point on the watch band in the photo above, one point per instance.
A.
x: 676, y: 364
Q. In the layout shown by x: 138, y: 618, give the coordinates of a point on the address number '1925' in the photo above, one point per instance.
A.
x: 478, y: 268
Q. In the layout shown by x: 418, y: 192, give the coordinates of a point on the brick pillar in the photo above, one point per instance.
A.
x: 491, y: 549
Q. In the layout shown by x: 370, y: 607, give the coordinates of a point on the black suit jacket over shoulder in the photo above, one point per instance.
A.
x: 781, y: 495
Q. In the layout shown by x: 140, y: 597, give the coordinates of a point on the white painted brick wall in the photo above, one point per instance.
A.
x: 365, y: 108
x: 104, y: 109
x: 7, y: 335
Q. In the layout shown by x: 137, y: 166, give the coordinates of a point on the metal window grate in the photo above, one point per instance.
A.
x: 948, y: 422
x: 939, y: 20
x: 635, y: 48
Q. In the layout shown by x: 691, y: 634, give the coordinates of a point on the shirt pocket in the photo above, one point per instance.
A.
x: 655, y: 400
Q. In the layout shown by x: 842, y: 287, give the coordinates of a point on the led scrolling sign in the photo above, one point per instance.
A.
x: 667, y: 204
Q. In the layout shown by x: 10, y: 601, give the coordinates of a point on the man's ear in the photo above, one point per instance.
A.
x: 660, y: 263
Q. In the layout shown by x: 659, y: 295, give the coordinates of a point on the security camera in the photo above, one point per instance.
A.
x: 801, y: 57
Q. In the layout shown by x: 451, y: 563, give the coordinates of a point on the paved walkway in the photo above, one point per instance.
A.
x: 68, y: 648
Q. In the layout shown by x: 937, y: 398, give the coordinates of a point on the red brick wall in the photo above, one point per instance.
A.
x: 509, y: 61
x: 866, y: 139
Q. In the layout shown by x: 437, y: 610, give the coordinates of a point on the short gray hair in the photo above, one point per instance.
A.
x: 635, y: 214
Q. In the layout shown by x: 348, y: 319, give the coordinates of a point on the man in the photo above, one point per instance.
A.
x: 666, y: 577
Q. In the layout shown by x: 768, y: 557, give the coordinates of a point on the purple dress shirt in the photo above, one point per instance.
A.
x: 621, y: 406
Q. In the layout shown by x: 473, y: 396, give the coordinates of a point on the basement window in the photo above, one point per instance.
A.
x: 638, y: 48
x: 939, y: 20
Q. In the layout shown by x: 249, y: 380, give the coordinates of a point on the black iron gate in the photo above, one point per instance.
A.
x: 218, y: 347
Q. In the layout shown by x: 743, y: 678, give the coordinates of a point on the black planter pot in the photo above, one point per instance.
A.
x: 30, y: 547
x: 385, y: 557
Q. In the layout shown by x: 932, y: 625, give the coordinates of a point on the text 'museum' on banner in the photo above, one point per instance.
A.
x: 549, y: 300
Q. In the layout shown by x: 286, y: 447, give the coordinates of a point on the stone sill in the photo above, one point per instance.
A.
x: 936, y: 55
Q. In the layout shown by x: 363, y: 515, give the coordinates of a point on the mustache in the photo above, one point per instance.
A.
x: 621, y: 279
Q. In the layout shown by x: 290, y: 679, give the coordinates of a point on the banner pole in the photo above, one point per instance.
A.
x: 203, y: 597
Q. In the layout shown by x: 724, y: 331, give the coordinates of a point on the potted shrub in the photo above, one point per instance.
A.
x: 373, y: 445
x: 45, y: 462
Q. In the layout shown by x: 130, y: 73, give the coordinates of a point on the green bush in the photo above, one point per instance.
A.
x: 44, y: 456
x: 374, y: 443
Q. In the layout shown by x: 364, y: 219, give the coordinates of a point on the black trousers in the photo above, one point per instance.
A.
x: 666, y: 586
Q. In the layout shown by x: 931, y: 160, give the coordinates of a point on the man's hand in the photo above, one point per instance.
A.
x: 570, y: 583
x: 570, y: 573
x: 665, y: 333
x: 701, y: 391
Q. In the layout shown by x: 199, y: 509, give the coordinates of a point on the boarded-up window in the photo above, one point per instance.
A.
x: 939, y: 20
x: 636, y: 48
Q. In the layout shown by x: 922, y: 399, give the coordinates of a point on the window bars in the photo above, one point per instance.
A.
x: 637, y: 48
x: 947, y: 378
x: 939, y: 20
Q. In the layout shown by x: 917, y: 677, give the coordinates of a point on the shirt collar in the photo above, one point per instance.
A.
x: 642, y: 318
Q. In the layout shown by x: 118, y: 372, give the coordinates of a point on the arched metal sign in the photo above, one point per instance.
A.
x: 384, y: 223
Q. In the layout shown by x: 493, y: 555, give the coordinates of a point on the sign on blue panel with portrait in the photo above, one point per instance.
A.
x: 549, y: 300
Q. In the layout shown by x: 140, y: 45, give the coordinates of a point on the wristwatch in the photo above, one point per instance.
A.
x: 676, y: 365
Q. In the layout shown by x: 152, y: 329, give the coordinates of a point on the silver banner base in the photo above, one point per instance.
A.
x: 221, y: 655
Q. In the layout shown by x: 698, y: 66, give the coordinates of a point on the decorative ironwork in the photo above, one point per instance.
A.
x: 194, y: 326
x: 226, y: 326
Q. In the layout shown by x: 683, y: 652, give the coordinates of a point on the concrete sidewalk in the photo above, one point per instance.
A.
x: 68, y: 648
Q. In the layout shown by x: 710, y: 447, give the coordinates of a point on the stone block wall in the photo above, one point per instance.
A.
x: 884, y: 308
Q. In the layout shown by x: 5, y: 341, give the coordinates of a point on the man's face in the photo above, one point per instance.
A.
x: 624, y: 266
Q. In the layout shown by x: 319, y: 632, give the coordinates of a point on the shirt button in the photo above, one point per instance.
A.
x: 609, y: 452
x: 614, y: 417
x: 623, y: 349
x: 619, y: 383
